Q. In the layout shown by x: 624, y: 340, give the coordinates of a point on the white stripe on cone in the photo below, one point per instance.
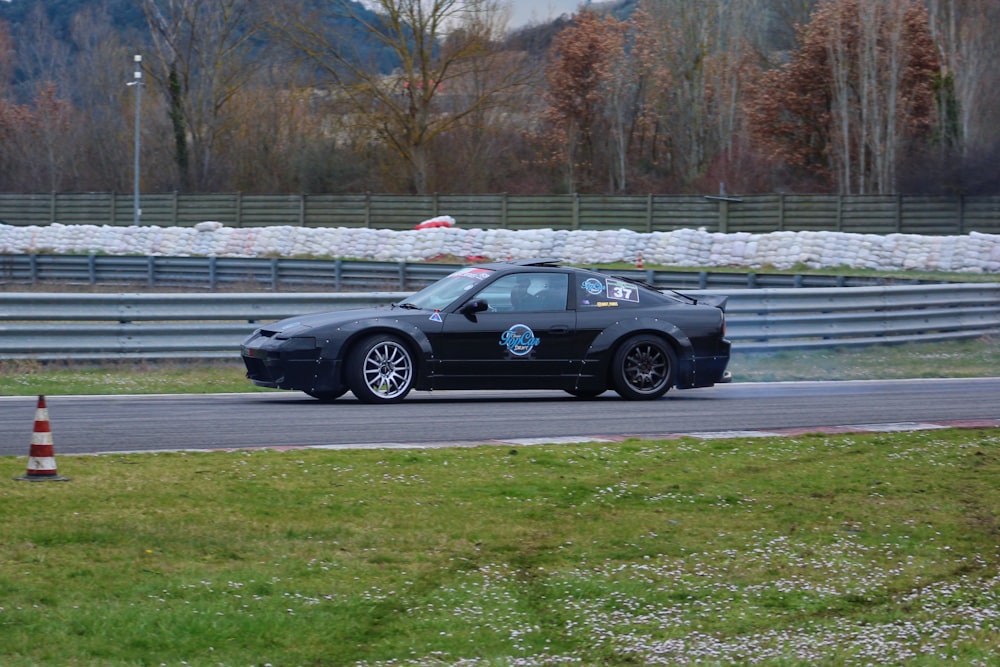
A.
x: 42, y: 463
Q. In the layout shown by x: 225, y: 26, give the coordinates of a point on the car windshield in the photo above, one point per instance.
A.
x: 440, y: 294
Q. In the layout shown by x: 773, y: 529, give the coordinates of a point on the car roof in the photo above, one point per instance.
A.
x: 513, y: 265
x: 545, y: 262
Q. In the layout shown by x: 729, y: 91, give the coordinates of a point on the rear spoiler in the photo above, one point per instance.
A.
x: 716, y: 300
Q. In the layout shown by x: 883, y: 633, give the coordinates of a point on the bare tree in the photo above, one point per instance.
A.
x: 968, y: 39
x: 694, y: 62
x: 205, y: 55
x: 447, y: 67
x: 782, y: 19
x: 101, y: 67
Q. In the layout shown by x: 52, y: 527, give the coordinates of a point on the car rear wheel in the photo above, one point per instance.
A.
x: 643, y: 368
x: 380, y: 370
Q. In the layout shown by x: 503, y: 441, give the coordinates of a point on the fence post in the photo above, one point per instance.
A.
x: 302, y: 209
x: 961, y: 214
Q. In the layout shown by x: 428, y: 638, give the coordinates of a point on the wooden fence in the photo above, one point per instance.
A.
x: 870, y: 214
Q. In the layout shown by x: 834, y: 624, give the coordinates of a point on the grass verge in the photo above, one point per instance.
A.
x: 819, y: 549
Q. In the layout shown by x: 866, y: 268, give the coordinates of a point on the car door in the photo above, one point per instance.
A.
x: 524, y: 338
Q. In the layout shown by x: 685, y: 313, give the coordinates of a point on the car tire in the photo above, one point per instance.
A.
x: 643, y: 368
x: 380, y: 369
x: 327, y: 396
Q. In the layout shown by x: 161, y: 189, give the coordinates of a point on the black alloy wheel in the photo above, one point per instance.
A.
x: 643, y: 368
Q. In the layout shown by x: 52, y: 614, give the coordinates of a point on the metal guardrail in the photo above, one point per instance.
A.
x: 334, y: 274
x: 783, y: 319
x: 150, y: 326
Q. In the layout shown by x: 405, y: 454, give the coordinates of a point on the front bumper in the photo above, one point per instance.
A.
x: 290, y: 363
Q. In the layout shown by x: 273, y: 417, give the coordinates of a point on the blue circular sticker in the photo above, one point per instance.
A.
x: 519, y: 340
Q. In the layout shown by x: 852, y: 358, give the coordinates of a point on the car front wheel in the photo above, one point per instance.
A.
x: 380, y: 370
x: 643, y: 368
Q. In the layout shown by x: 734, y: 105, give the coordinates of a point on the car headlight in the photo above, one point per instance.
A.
x: 298, y: 344
x: 298, y: 347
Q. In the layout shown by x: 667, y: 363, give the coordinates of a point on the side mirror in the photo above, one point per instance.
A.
x: 475, y: 306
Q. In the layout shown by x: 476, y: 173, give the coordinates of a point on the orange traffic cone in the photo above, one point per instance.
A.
x: 42, y: 458
x: 638, y: 262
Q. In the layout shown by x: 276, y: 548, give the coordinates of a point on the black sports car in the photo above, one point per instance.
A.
x: 529, y: 324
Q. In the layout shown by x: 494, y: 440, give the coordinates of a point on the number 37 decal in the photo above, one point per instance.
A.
x: 622, y: 291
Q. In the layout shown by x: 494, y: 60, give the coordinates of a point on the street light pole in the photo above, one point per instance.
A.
x: 137, y: 82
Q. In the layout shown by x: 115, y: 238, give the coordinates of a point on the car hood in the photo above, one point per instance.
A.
x: 304, y: 325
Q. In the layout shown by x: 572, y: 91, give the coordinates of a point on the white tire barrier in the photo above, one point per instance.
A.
x: 971, y: 253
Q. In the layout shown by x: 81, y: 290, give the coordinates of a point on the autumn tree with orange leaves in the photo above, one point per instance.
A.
x: 587, y: 56
x: 855, y: 97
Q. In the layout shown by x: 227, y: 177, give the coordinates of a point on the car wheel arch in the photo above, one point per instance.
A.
x: 611, y: 338
x: 415, y: 340
x: 608, y: 342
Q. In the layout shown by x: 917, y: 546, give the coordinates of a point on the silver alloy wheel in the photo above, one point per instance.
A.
x: 387, y: 370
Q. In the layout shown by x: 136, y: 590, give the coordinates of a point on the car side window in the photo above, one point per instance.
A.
x: 527, y: 292
x: 607, y: 292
